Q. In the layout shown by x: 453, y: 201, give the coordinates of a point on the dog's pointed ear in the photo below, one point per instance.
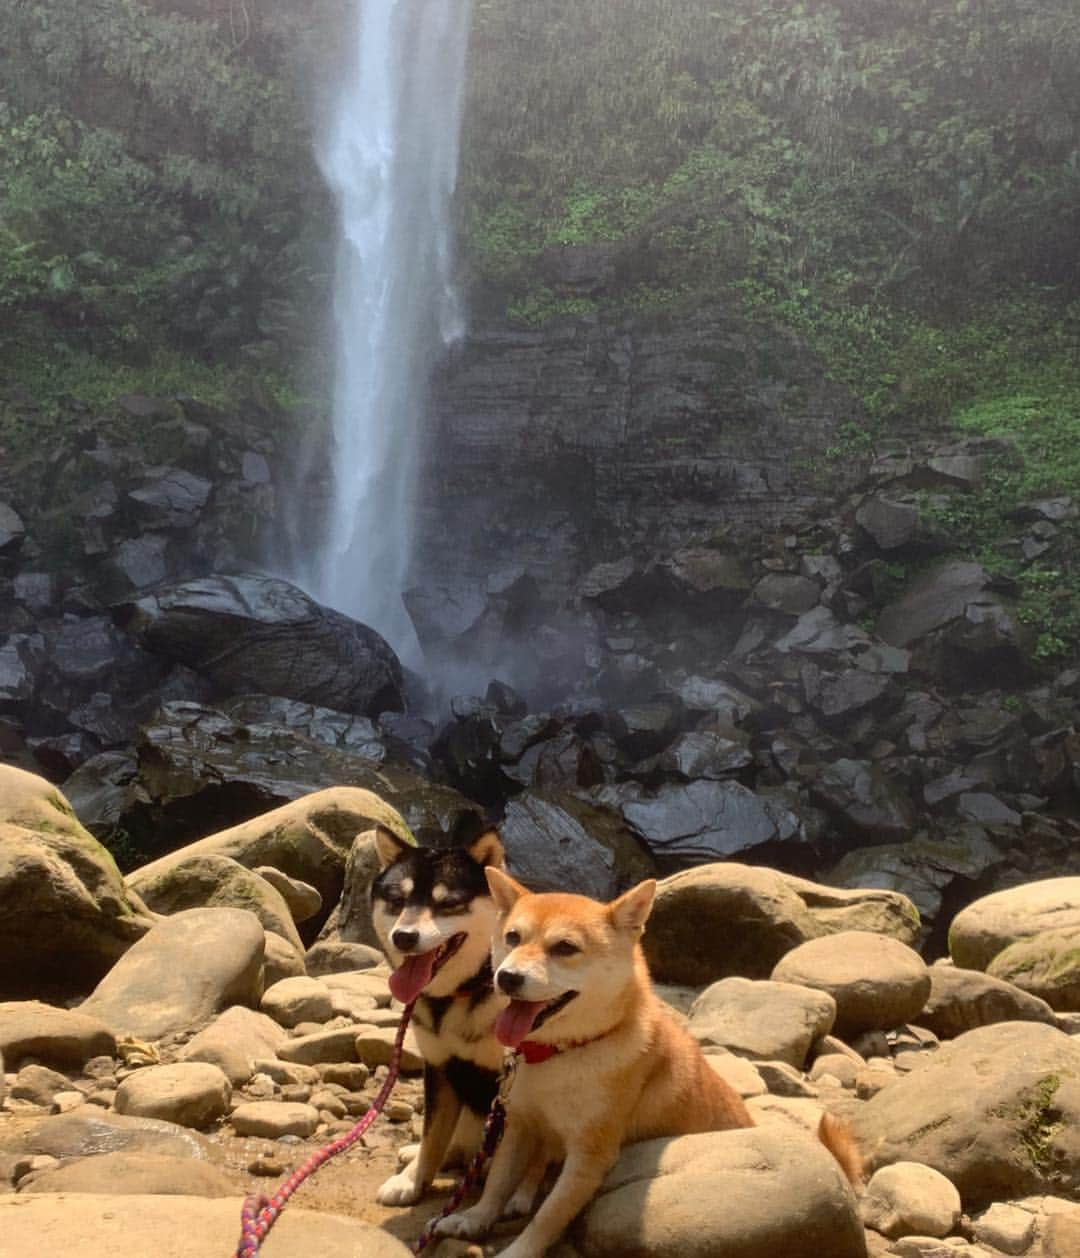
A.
x: 388, y: 846
x: 631, y: 911
x: 487, y: 850
x: 504, y: 890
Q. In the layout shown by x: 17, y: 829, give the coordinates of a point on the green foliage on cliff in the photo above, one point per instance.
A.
x: 157, y: 194
x: 892, y: 177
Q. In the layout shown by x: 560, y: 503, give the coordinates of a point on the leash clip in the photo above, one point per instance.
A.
x: 507, y: 1076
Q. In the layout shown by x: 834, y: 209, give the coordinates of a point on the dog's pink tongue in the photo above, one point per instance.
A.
x: 516, y: 1021
x: 412, y: 976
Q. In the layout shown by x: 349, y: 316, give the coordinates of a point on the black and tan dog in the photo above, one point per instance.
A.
x: 434, y: 916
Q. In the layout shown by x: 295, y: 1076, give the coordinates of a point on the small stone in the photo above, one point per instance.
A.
x: 782, y: 1079
x: 275, y: 1119
x: 1005, y: 1227
x: 398, y: 1111
x: 350, y: 1075
x: 836, y: 1066
x: 65, y: 1102
x: 267, y: 1165
x: 872, y: 1080
x: 907, y: 1198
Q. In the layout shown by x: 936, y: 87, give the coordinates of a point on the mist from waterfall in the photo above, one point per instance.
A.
x: 390, y: 156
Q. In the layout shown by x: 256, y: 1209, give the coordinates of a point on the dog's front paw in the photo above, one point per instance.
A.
x: 521, y: 1202
x: 401, y: 1189
x: 469, y: 1225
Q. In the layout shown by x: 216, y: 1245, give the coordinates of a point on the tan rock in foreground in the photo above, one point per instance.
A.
x: 752, y: 1193
x: 175, y: 1227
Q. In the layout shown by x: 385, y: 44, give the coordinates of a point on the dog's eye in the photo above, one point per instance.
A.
x: 564, y: 948
x: 448, y: 910
x: 511, y: 938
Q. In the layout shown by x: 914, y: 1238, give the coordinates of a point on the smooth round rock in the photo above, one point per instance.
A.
x: 877, y: 982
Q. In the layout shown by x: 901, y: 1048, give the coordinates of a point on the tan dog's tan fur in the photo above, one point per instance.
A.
x: 626, y: 1070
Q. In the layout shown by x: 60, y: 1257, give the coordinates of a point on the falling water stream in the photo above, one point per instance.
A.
x: 390, y: 155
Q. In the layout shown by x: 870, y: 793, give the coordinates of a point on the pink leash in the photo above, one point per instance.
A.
x: 260, y: 1212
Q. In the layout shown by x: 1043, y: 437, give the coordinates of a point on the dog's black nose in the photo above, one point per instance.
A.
x: 509, y: 981
x: 404, y: 939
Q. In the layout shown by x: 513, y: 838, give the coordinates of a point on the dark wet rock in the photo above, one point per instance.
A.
x: 469, y: 752
x: 957, y: 624
x: 890, y: 523
x: 12, y: 530
x: 136, y: 564
x: 838, y: 697
x: 716, y: 576
x: 17, y: 669
x: 707, y: 821
x: 171, y: 497
x: 36, y: 591
x: 60, y: 756
x: 255, y: 633
x: 99, y: 790
x: 818, y: 632
x: 565, y: 760
x: 642, y: 729
x: 556, y: 842
x: 200, y: 770
x: 704, y: 694
x: 440, y: 614
x: 699, y: 754
x: 254, y: 468
x: 863, y: 801
x: 505, y: 699
x: 785, y: 592
x: 357, y: 735
x: 986, y: 810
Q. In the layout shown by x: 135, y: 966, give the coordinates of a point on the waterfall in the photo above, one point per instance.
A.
x: 390, y: 156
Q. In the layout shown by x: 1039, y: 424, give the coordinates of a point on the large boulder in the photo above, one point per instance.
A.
x: 65, y: 914
x: 188, y: 1093
x: 210, y: 880
x: 59, y: 1037
x: 135, y: 1173
x: 91, y: 1130
x: 709, y: 821
x: 1046, y: 966
x: 996, y: 1110
x: 188, y: 968
x: 952, y: 617
x: 877, y: 982
x: 555, y: 842
x: 780, y: 1194
x: 248, y: 632
x: 308, y: 839
x: 863, y: 801
x: 724, y: 919
x: 987, y: 925
x: 858, y: 908
x: 176, y: 1227
x: 961, y: 1000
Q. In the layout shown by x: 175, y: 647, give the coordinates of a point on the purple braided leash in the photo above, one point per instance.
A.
x: 493, y: 1130
x: 260, y: 1212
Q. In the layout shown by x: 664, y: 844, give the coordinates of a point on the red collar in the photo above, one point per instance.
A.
x: 533, y: 1052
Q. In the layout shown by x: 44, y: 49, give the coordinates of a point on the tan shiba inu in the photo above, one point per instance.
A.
x: 600, y: 1061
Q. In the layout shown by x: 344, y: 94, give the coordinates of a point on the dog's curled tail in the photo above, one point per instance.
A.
x: 836, y: 1135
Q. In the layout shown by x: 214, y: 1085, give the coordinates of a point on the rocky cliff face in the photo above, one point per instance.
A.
x: 586, y: 441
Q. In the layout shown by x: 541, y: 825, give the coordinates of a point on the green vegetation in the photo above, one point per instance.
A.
x: 159, y: 211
